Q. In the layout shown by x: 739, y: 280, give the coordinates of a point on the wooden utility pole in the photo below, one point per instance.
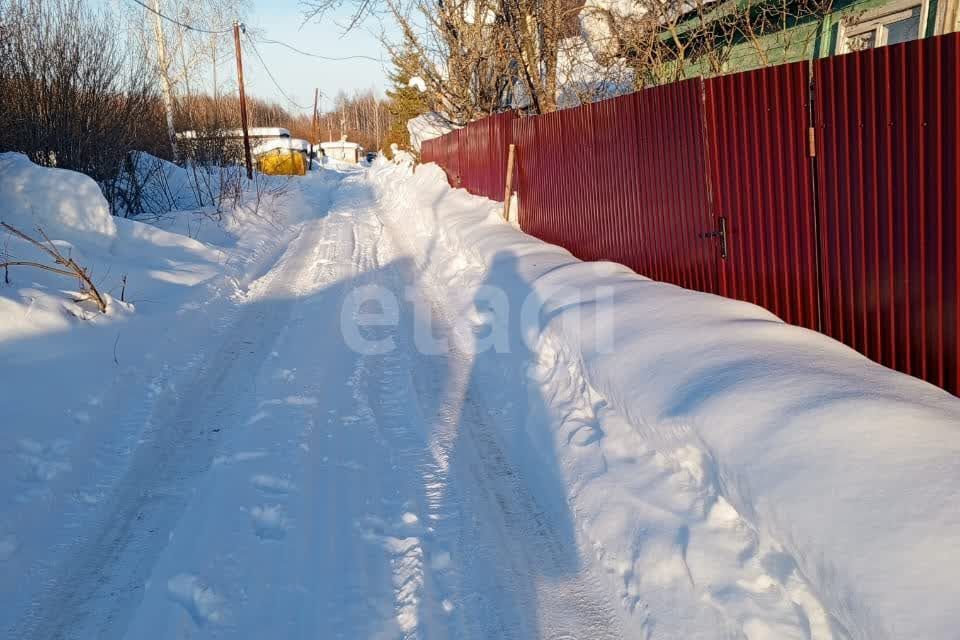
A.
x: 314, y: 124
x: 165, y: 84
x: 316, y: 121
x: 243, y: 101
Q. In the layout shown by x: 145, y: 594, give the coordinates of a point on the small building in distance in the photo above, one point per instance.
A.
x: 217, y: 146
x: 255, y: 134
x: 283, y: 156
x: 342, y: 150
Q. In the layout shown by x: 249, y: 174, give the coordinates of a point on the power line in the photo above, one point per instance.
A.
x: 272, y: 79
x: 262, y: 40
x: 178, y: 23
x: 320, y: 57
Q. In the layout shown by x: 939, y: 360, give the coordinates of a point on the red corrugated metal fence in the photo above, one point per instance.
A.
x: 483, y: 150
x: 445, y: 151
x: 760, y: 177
x: 888, y: 133
x: 643, y: 204
x: 859, y: 239
x: 475, y: 157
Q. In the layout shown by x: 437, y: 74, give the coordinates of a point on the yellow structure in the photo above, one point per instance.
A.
x: 283, y: 162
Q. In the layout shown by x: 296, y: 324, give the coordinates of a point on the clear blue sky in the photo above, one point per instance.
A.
x: 297, y: 74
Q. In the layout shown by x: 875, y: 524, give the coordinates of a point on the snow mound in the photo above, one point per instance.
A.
x: 128, y: 260
x: 60, y: 202
x: 171, y: 184
x: 845, y: 470
x: 427, y: 127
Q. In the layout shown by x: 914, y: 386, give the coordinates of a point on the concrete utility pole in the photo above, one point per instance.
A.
x: 243, y: 101
x: 165, y: 84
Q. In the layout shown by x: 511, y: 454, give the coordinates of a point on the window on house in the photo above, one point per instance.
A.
x: 878, y: 28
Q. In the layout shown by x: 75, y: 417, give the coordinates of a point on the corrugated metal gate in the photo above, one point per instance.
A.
x: 888, y: 132
x: 760, y: 177
x: 672, y: 188
x: 867, y: 252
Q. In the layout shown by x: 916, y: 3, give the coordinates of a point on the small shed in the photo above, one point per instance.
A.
x: 283, y: 156
x: 217, y: 145
x: 342, y: 150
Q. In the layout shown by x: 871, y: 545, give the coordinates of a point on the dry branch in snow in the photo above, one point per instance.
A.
x: 66, y: 266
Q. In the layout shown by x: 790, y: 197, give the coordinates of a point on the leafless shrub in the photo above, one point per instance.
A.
x: 262, y: 194
x: 143, y: 189
x: 74, y: 94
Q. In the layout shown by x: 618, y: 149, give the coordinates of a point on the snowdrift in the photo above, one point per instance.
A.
x: 427, y: 126
x: 62, y: 202
x: 125, y: 258
x: 849, y: 468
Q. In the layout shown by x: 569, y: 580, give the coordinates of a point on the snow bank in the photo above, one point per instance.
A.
x: 841, y: 475
x: 164, y: 186
x: 164, y: 260
x: 427, y: 126
x: 61, y: 202
x: 125, y: 258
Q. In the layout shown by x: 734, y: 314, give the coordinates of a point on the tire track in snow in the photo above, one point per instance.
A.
x: 106, y: 571
x: 675, y: 555
x: 512, y: 576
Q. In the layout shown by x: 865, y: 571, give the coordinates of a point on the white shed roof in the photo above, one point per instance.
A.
x: 296, y: 144
x: 339, y: 144
x: 255, y: 132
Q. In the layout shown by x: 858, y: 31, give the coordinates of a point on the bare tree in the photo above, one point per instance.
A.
x: 665, y: 41
x: 362, y: 117
x: 188, y: 61
x: 76, y: 96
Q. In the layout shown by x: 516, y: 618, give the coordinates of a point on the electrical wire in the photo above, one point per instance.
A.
x: 180, y: 24
x: 262, y: 40
x: 257, y: 53
x: 273, y: 79
x: 320, y: 57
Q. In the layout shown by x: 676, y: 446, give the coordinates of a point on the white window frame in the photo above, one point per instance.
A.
x: 876, y: 19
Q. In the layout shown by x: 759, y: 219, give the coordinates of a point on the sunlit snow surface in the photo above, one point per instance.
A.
x: 333, y: 419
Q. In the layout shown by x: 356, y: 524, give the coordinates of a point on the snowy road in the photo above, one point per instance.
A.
x: 290, y: 486
x: 360, y: 435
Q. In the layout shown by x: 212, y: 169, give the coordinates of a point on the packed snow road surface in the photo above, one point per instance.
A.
x: 291, y: 485
x: 370, y: 428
